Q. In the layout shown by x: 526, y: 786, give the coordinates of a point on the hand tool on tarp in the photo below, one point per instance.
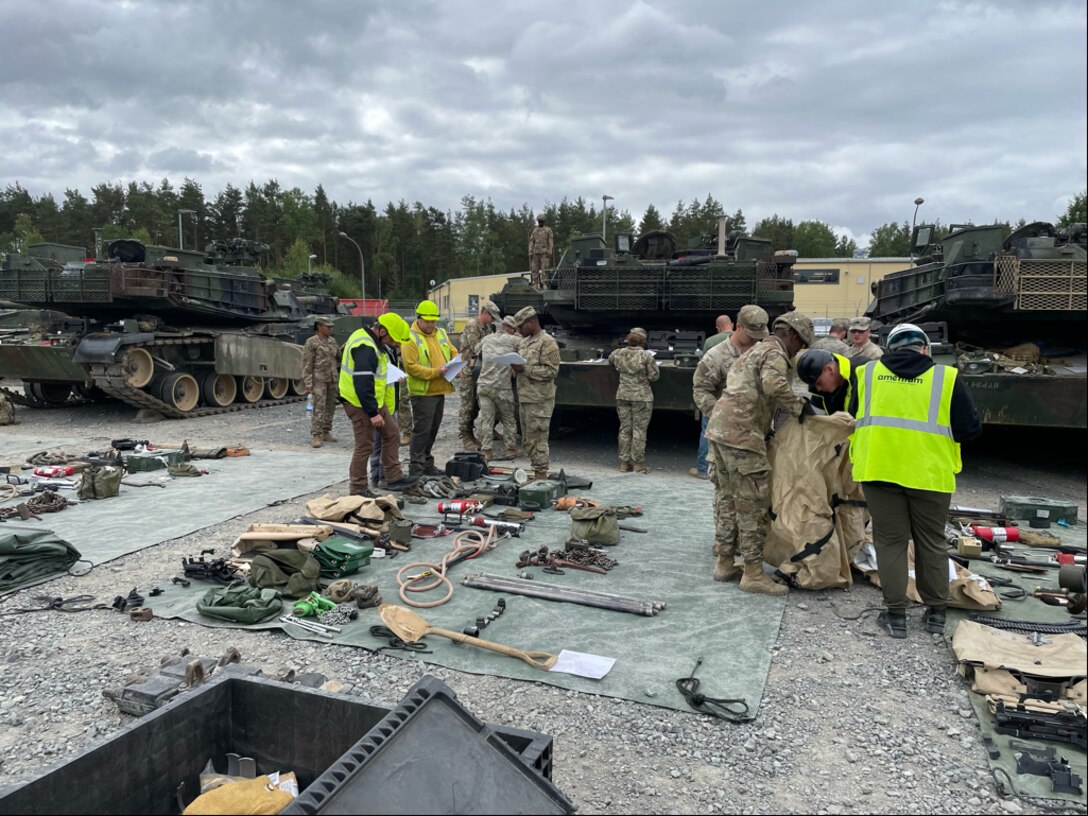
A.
x: 410, y: 627
x: 553, y: 592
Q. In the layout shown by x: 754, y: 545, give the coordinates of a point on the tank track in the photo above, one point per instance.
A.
x: 112, y: 380
x: 28, y: 401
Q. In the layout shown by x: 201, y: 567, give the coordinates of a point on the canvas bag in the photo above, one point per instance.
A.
x: 597, y: 525
x: 100, y: 482
x: 239, y: 603
x: 292, y: 572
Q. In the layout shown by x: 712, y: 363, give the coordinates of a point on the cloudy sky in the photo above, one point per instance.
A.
x: 843, y: 111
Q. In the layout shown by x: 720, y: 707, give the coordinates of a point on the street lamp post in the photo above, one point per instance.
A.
x: 604, y: 216
x: 310, y: 264
x: 362, y: 265
x: 918, y: 202
x: 181, y: 235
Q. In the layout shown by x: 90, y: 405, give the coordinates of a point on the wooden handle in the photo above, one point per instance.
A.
x: 538, y: 660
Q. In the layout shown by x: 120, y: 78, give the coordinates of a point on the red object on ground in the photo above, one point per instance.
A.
x: 53, y: 471
x: 996, y: 535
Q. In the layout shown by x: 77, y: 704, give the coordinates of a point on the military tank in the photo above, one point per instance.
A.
x: 183, y: 333
x: 1010, y: 311
x: 598, y: 292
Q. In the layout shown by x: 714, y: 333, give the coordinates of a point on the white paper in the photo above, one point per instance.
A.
x: 510, y: 358
x: 583, y: 665
x: 453, y: 368
x: 393, y: 375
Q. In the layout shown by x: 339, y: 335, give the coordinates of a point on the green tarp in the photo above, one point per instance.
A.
x: 28, y: 555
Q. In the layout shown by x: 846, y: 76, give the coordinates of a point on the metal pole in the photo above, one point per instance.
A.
x: 918, y: 202
x: 362, y: 266
x: 604, y: 217
x: 181, y: 237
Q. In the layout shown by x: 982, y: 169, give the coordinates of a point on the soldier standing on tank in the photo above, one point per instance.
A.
x: 708, y: 383
x: 860, y: 331
x: 320, y: 373
x: 835, y: 342
x: 495, y: 390
x: 634, y: 398
x: 536, y: 387
x: 471, y: 336
x: 739, y: 427
x: 541, y: 251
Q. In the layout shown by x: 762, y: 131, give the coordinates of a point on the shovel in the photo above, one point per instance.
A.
x: 410, y: 627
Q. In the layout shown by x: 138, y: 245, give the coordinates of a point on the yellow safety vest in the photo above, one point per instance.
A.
x: 416, y: 386
x: 382, y: 392
x: 903, y: 433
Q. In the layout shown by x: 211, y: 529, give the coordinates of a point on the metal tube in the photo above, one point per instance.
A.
x: 551, y: 592
x: 722, y: 222
x: 305, y: 627
x: 659, y: 605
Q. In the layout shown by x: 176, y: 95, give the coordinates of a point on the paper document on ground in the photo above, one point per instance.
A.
x: 453, y: 367
x: 393, y: 375
x: 510, y: 358
x: 584, y: 665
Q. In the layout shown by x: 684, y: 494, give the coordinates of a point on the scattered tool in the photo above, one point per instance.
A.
x: 485, y: 621
x: 312, y: 627
x: 552, y: 592
x: 410, y: 627
x: 312, y: 605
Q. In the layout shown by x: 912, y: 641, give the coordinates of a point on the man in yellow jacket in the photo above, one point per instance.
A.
x: 427, y: 354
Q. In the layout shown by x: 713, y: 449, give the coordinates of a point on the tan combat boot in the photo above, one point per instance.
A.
x: 726, y: 570
x: 315, y: 441
x: 756, y: 580
x: 640, y: 467
x: 328, y: 437
x: 540, y: 474
x: 625, y: 467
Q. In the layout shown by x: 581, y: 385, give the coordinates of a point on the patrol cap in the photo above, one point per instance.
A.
x: 640, y: 332
x: 396, y: 326
x: 493, y: 310
x: 812, y: 363
x: 753, y: 320
x: 427, y: 309
x: 509, y: 321
x: 860, y: 323
x: 523, y: 315
x: 840, y: 323
x: 324, y: 321
x: 800, y: 323
x: 906, y: 334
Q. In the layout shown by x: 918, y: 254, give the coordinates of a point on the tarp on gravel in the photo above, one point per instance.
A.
x: 731, y: 630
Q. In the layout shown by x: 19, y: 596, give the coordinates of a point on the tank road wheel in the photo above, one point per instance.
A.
x: 51, y: 393
x: 180, y: 391
x: 276, y: 387
x: 138, y: 366
x: 298, y: 388
x: 252, y: 388
x: 219, y: 390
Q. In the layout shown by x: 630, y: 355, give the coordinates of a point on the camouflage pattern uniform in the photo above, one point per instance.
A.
x: 834, y: 345
x: 471, y: 336
x: 708, y: 384
x: 536, y: 395
x: 404, y: 413
x: 541, y: 251
x: 870, y: 351
x: 495, y: 391
x: 321, y: 373
x: 634, y: 399
x: 757, y: 384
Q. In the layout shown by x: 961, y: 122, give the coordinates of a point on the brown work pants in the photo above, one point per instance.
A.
x: 901, y: 514
x: 364, y: 444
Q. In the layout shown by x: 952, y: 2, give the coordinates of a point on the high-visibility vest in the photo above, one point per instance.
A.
x: 903, y: 433
x: 382, y: 392
x: 416, y: 386
x: 844, y: 372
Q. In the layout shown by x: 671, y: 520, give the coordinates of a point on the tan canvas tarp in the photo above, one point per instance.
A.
x: 819, y: 517
x: 352, y: 508
x: 1059, y: 656
x: 965, y: 589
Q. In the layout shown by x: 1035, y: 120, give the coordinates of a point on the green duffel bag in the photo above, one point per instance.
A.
x: 239, y: 603
x: 292, y: 572
x: 597, y: 525
x: 100, y: 482
x: 339, y: 556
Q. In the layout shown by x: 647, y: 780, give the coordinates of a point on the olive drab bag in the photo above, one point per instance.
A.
x: 292, y: 572
x: 597, y: 525
x: 100, y: 482
x: 239, y: 603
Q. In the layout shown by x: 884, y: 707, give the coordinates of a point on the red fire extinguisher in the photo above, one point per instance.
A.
x: 458, y: 506
x: 54, y: 471
x: 996, y: 535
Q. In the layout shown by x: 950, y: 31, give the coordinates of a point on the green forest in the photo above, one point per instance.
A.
x: 403, y: 246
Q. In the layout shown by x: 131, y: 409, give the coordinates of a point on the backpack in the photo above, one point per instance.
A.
x: 292, y: 572
x: 100, y: 482
x: 597, y: 525
x: 7, y: 410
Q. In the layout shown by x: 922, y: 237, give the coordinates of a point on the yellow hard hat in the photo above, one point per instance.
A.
x: 396, y: 326
x: 427, y: 309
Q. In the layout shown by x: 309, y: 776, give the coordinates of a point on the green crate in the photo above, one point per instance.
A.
x: 156, y: 460
x: 1034, y: 507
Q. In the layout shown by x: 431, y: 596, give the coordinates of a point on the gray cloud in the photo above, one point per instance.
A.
x: 841, y: 111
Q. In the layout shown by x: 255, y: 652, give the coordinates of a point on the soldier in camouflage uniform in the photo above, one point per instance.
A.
x: 758, y: 383
x: 835, y: 342
x: 634, y: 398
x: 707, y: 387
x: 404, y: 414
x: 536, y: 387
x: 471, y: 336
x: 320, y: 374
x: 495, y: 390
x: 541, y: 251
x: 860, y: 331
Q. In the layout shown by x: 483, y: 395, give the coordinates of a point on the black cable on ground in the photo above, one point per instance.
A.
x: 720, y: 707
x: 395, y: 641
x: 50, y: 603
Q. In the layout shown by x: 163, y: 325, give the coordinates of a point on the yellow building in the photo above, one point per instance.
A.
x: 823, y: 287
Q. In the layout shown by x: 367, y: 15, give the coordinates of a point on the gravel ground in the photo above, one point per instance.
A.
x: 851, y: 721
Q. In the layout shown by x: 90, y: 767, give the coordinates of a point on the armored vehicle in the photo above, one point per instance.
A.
x: 181, y: 332
x: 1008, y: 311
x: 597, y: 293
